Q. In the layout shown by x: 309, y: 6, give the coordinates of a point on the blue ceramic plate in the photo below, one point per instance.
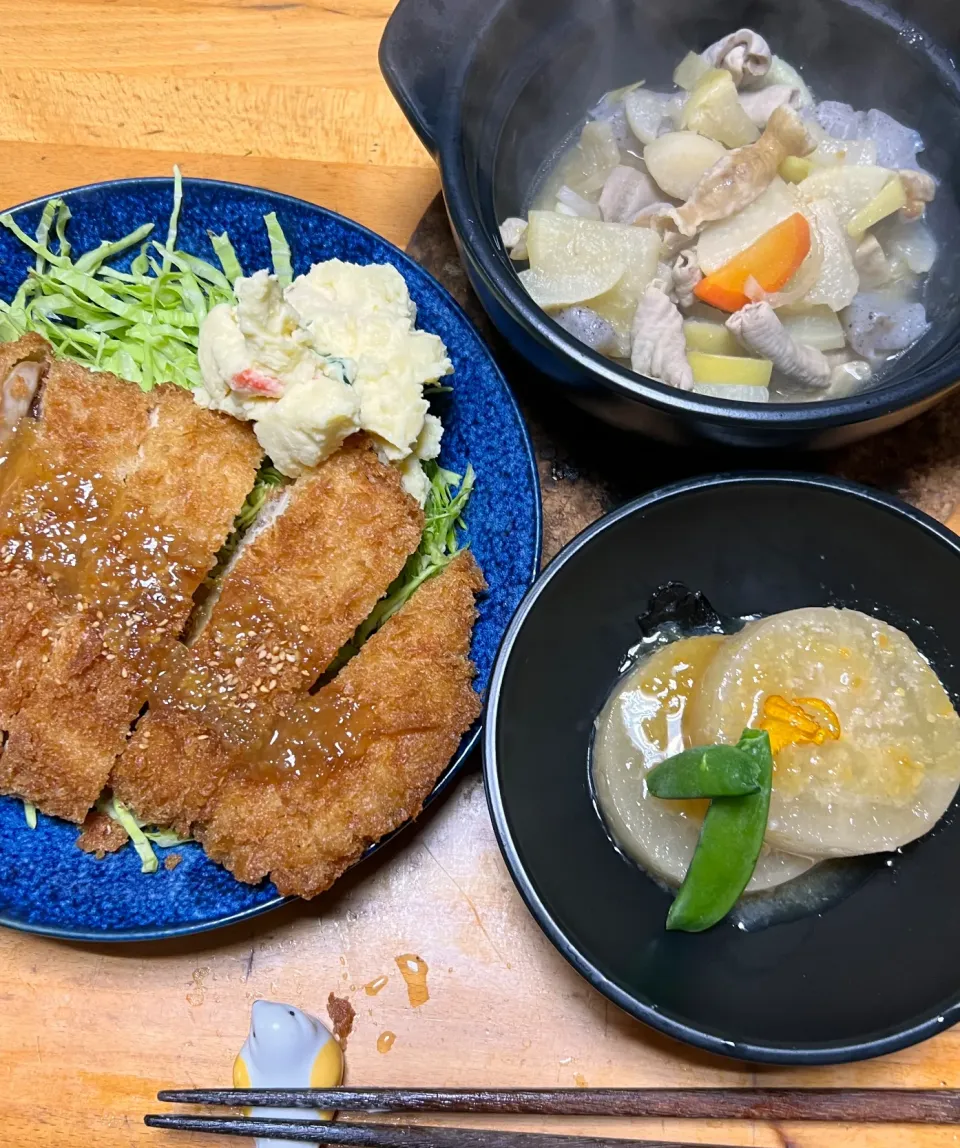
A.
x: 49, y: 886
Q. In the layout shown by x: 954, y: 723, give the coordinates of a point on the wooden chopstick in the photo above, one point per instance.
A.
x: 395, y: 1135
x: 840, y: 1105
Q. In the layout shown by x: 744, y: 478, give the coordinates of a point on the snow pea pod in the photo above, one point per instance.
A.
x: 705, y: 771
x: 729, y: 845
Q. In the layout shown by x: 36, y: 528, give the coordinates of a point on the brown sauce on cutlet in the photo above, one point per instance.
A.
x: 20, y: 446
x: 245, y: 659
x: 137, y: 576
x: 51, y: 514
x: 316, y: 738
x: 75, y: 528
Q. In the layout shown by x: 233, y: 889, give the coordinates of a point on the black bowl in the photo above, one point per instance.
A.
x: 495, y: 87
x: 875, y: 972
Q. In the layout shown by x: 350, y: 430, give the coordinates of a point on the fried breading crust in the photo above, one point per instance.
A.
x: 295, y: 594
x: 412, y: 683
x: 101, y: 834
x: 90, y: 425
x: 195, y: 469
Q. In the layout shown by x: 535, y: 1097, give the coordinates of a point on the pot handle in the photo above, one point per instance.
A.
x: 421, y: 44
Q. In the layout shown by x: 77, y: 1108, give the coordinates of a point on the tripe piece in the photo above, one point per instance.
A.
x: 659, y: 346
x: 296, y: 592
x: 920, y: 188
x: 757, y: 327
x: 743, y: 174
x: 745, y: 54
x: 354, y: 762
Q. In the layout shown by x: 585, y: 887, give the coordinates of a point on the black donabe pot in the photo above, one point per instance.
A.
x: 495, y: 87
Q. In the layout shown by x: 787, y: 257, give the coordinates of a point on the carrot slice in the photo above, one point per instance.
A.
x: 772, y: 261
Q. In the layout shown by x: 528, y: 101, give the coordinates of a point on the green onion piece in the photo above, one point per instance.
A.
x: 279, y: 250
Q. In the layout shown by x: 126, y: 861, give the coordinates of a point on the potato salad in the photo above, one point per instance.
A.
x: 334, y: 352
x: 734, y: 237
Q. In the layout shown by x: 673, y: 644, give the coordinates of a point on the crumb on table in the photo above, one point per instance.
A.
x: 342, y: 1013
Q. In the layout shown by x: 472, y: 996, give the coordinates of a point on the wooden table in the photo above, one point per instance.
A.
x: 287, y: 95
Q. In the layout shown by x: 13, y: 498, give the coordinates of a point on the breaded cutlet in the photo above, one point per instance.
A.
x: 135, y: 587
x: 23, y: 367
x: 296, y: 593
x: 353, y: 762
x: 66, y: 466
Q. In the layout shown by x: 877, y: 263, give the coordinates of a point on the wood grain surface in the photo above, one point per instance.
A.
x: 287, y: 95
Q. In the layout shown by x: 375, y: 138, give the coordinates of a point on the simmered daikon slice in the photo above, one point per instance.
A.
x: 815, y: 326
x: 871, y: 760
x: 560, y: 245
x: 849, y: 188
x: 837, y: 280
x: 564, y: 289
x: 641, y: 724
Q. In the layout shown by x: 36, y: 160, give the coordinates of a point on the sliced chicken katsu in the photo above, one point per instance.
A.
x: 23, y: 367
x: 299, y: 588
x: 66, y: 465
x: 134, y: 582
x: 353, y: 762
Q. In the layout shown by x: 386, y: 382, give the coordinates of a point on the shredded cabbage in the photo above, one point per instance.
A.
x: 279, y: 250
x: 30, y: 813
x: 142, y: 324
x: 141, y: 837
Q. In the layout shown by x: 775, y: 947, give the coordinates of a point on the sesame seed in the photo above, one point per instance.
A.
x: 45, y: 631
